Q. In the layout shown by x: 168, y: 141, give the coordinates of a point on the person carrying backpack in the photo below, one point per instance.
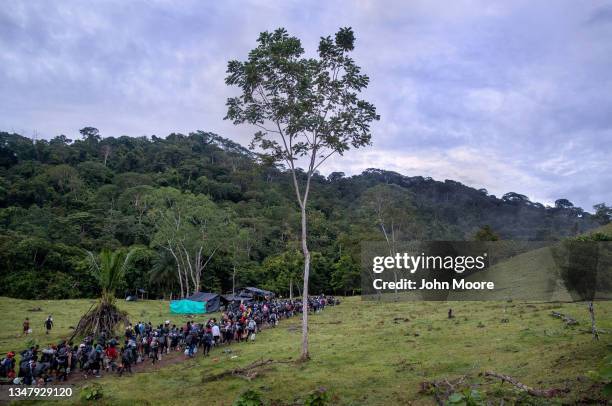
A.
x: 62, y: 362
x: 273, y: 319
x: 146, y: 347
x: 189, y: 344
x: 93, y: 361
x: 126, y: 361
x: 26, y: 371
x: 48, y: 324
x: 111, y: 357
x: 238, y: 330
x: 26, y: 327
x: 207, y: 341
x: 251, y: 326
x: 154, y: 350
x: 7, y: 366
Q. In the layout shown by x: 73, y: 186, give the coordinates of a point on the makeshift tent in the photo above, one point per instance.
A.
x: 185, y: 306
x: 198, y: 303
x: 256, y: 292
x: 143, y: 293
x: 238, y: 298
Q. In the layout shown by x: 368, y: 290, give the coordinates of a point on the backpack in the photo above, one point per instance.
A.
x: 26, y: 355
x: 5, y: 366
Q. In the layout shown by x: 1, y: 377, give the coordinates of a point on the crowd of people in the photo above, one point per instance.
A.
x: 145, y: 342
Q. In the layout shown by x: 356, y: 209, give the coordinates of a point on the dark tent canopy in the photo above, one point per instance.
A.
x: 199, y: 302
x: 202, y: 296
x: 238, y: 298
x: 256, y: 292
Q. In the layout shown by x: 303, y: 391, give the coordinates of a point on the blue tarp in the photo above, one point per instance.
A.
x: 186, y: 306
x: 191, y: 305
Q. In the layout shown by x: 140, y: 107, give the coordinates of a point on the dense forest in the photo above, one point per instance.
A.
x: 215, y: 213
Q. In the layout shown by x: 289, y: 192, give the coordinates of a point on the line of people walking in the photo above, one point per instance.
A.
x: 145, y: 342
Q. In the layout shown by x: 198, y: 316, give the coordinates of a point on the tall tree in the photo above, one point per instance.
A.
x: 603, y: 213
x: 241, y: 246
x: 345, y: 275
x: 306, y: 109
x: 563, y: 204
x: 391, y: 206
x: 192, y: 229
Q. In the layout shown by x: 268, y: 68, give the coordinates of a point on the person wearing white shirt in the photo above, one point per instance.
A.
x: 216, y: 332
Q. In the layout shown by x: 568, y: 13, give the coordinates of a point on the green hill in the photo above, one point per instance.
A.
x: 532, y: 276
x: 60, y: 198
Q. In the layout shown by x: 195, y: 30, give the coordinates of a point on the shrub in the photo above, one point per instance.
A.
x: 468, y: 397
x: 249, y: 397
x: 92, y: 392
x: 318, y: 397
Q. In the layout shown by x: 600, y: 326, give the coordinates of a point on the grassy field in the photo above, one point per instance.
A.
x: 362, y: 353
x: 66, y: 314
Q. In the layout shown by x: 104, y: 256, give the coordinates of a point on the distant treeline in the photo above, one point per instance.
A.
x: 204, y: 205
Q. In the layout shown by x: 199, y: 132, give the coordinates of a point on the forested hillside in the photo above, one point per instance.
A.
x: 202, y: 204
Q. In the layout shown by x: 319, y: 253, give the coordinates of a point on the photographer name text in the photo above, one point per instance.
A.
x: 424, y: 284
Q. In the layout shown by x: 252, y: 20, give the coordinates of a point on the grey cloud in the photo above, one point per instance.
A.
x: 602, y: 15
x: 524, y: 84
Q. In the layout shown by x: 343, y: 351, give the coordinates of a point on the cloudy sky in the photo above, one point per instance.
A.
x: 509, y: 96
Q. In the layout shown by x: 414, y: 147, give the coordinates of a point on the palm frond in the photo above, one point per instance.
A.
x: 110, y: 269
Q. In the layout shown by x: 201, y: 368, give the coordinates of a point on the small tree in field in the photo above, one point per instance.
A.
x: 109, y: 269
x: 583, y: 262
x: 306, y: 109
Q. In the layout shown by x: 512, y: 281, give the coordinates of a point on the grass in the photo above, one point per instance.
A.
x: 362, y: 352
x: 66, y: 314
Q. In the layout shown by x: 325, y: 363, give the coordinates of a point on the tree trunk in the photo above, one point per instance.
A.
x: 305, y: 355
x: 178, y: 268
x: 234, y: 281
x: 291, y: 289
x: 593, y: 327
x: 199, y: 266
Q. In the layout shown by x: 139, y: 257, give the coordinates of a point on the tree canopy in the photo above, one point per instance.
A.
x: 58, y: 200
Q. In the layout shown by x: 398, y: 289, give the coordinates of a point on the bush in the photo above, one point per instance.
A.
x: 23, y: 285
x: 91, y: 392
x: 249, y: 397
x: 466, y: 398
x: 319, y: 397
